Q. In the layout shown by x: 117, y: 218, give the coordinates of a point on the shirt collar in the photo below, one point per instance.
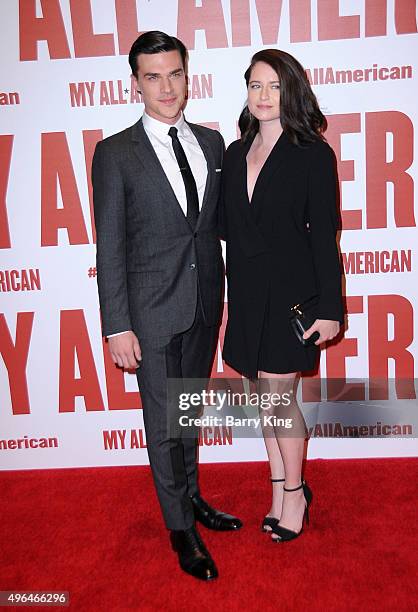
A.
x: 159, y: 128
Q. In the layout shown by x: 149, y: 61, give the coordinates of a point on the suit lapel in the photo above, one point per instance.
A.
x: 149, y: 160
x: 210, y: 160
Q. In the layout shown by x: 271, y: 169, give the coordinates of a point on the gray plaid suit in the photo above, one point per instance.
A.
x: 164, y: 280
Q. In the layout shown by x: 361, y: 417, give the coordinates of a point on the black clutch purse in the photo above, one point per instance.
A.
x: 302, y: 316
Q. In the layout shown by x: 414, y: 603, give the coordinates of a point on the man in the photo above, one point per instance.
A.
x: 160, y: 273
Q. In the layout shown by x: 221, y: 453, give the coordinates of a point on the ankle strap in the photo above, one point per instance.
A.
x: 295, y: 489
x: 277, y: 479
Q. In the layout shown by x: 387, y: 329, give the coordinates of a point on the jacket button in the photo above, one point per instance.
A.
x: 192, y: 266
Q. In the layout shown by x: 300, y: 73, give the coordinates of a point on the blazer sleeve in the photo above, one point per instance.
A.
x: 109, y: 215
x: 222, y: 213
x: 323, y: 225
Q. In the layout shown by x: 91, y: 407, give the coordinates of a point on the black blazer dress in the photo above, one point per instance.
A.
x: 280, y: 250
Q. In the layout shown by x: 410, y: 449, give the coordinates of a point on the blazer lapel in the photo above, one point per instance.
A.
x: 149, y: 160
x: 254, y: 242
x: 272, y: 164
x: 252, y: 239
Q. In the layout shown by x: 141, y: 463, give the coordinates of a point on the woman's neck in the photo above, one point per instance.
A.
x: 269, y: 132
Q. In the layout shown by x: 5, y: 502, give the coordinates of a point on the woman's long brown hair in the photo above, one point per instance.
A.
x: 300, y: 115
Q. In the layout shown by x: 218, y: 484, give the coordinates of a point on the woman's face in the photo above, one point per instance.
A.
x: 264, y: 92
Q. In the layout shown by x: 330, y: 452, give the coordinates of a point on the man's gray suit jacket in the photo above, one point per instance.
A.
x: 150, y: 262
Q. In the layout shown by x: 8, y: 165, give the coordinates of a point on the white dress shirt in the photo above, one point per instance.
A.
x: 162, y: 144
x: 157, y: 132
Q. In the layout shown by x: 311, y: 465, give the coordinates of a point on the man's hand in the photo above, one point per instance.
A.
x: 125, y: 350
x: 326, y: 329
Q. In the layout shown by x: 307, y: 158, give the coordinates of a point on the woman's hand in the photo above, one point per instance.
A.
x: 326, y: 329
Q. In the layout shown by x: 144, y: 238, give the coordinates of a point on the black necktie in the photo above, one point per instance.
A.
x: 188, y: 179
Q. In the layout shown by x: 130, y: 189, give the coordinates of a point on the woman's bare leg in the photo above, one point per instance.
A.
x: 276, y: 471
x: 290, y: 450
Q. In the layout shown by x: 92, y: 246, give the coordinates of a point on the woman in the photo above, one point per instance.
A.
x: 279, y: 218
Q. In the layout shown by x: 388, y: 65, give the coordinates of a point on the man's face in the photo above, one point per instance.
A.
x: 162, y: 81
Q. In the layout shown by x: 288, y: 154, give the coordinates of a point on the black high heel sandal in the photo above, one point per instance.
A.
x: 271, y: 521
x: 285, y: 535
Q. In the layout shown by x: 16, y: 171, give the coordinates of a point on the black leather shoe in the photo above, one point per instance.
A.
x: 193, y: 555
x: 213, y: 519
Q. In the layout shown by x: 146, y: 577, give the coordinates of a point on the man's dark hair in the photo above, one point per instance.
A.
x: 300, y: 115
x: 155, y: 42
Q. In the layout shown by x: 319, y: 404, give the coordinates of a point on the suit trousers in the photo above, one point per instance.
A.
x: 173, y: 459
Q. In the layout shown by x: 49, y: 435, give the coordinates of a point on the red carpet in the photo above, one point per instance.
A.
x: 98, y: 534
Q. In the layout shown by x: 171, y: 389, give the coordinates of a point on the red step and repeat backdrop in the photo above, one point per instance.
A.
x: 65, y: 84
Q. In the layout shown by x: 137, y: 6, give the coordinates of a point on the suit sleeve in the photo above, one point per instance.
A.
x: 221, y: 207
x: 109, y: 214
x: 323, y: 225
